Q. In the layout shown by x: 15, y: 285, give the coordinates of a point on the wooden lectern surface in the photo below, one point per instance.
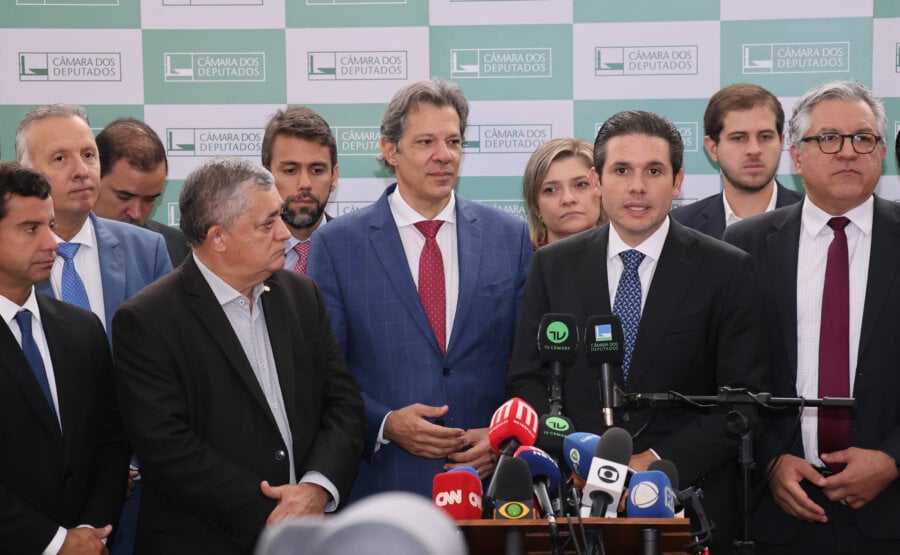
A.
x: 620, y: 535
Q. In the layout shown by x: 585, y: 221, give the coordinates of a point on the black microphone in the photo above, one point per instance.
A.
x: 513, y: 496
x: 606, y: 477
x: 604, y: 346
x: 557, y: 346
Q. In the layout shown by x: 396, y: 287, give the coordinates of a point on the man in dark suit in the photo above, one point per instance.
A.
x: 133, y: 168
x: 64, y: 455
x: 300, y: 150
x: 426, y: 324
x: 833, y: 486
x: 234, y: 393
x: 691, y: 303
x: 101, y: 262
x: 744, y: 126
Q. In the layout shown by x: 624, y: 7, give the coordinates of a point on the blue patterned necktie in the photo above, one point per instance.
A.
x: 33, y: 355
x: 73, y: 291
x: 627, y: 305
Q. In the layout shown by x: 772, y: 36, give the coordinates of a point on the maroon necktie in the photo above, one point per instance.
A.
x: 431, y: 282
x: 302, y: 250
x: 834, y: 342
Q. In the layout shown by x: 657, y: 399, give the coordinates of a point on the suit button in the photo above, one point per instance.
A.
x: 439, y: 422
x: 280, y: 455
x: 448, y: 371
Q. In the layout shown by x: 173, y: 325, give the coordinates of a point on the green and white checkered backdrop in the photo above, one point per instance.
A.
x: 207, y: 74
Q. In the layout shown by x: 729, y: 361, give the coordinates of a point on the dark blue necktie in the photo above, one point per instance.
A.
x: 627, y: 305
x: 33, y: 355
x: 72, y: 289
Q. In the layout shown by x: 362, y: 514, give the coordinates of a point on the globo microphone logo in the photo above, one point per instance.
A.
x: 608, y: 474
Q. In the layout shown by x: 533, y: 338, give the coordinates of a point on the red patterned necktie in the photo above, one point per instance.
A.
x: 302, y: 250
x: 431, y: 282
x: 834, y: 342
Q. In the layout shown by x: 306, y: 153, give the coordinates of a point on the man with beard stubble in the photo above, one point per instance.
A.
x: 300, y: 151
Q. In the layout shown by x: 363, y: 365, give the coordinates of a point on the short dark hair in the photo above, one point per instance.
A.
x: 132, y: 140
x: 739, y: 97
x: 302, y: 123
x: 16, y: 179
x: 639, y: 122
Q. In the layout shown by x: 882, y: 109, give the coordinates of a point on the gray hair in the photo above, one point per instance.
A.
x: 38, y: 114
x: 435, y: 91
x: 833, y: 90
x: 213, y: 194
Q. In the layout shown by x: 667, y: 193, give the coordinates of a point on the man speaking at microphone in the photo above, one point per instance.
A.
x: 689, y: 306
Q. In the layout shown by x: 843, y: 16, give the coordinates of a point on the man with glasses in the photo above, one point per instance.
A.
x: 831, y: 275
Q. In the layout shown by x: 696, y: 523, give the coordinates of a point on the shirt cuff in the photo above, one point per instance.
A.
x: 379, y: 441
x: 56, y: 543
x: 319, y: 479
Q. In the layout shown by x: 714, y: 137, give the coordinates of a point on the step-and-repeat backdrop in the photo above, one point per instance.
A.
x: 207, y: 74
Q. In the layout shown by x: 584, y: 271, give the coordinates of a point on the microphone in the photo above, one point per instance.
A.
x: 668, y: 468
x: 557, y: 342
x: 545, y: 475
x: 458, y: 493
x: 604, y: 346
x: 579, y: 449
x: 514, y: 423
x: 513, y: 496
x: 650, y: 495
x: 606, y: 477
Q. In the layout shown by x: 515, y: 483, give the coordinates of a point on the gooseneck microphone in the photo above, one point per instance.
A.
x: 604, y: 347
x: 557, y: 343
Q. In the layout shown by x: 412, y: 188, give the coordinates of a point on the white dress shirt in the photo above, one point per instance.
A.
x: 87, y: 264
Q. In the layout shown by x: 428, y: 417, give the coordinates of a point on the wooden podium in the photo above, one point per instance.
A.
x: 620, y: 535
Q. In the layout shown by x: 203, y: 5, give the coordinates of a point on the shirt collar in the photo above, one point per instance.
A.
x: 84, y: 237
x: 650, y: 248
x: 814, y: 219
x: 8, y: 309
x: 732, y: 218
x: 223, y: 292
x: 406, y: 215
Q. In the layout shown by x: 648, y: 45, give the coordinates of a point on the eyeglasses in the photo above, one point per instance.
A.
x: 832, y: 143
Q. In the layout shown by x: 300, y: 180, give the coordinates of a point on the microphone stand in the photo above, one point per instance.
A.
x: 735, y: 423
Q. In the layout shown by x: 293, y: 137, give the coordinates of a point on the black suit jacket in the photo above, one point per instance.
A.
x: 199, y: 421
x: 708, y: 215
x: 772, y: 239
x: 51, y: 478
x: 701, y: 328
x: 176, y: 244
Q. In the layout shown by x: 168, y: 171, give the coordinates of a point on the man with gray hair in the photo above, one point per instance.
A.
x: 234, y: 392
x: 423, y: 288
x: 829, y: 271
x: 101, y: 262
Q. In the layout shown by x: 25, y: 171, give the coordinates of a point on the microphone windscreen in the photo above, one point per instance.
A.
x: 650, y: 495
x: 458, y: 493
x: 468, y: 469
x: 616, y: 446
x: 667, y: 467
x: 513, y: 492
x: 514, y: 421
x: 541, y: 465
x: 552, y: 431
x: 557, y: 338
x: 604, y: 340
x: 579, y: 449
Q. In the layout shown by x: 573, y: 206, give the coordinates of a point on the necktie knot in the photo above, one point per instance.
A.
x: 23, y: 318
x: 68, y: 250
x: 429, y: 228
x: 838, y: 223
x: 631, y: 259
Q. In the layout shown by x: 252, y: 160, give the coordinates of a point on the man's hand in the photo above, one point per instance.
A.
x: 295, y: 500
x: 785, y: 481
x: 867, y: 473
x: 85, y: 540
x: 641, y: 461
x: 408, y: 428
x: 479, y: 454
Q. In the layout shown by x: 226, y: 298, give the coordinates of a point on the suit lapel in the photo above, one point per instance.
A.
x: 714, y: 212
x: 386, y: 244
x: 675, y: 271
x: 590, y: 279
x: 882, y: 268
x: 282, y: 338
x: 66, y: 377
x: 210, y: 314
x: 112, y: 268
x: 13, y: 361
x: 469, y: 246
x: 782, y: 244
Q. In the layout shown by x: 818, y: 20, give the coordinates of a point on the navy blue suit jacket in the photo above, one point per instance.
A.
x: 381, y: 327
x: 130, y: 259
x: 708, y: 215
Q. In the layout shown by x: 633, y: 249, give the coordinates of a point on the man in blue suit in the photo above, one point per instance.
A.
x: 744, y: 126
x: 425, y: 319
x: 113, y: 260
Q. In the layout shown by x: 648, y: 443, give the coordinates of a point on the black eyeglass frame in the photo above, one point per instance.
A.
x: 851, y: 136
